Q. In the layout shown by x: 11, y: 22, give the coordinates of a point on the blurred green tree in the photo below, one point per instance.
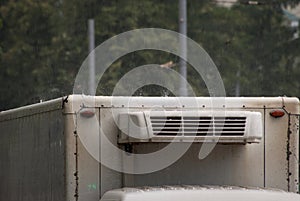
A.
x: 43, y: 43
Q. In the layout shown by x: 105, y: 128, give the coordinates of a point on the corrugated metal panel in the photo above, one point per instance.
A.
x: 51, y: 105
x: 32, y: 158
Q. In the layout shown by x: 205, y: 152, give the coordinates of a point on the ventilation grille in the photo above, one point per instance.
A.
x: 191, y: 126
x: 198, y: 126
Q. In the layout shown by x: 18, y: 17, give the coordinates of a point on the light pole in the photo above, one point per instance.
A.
x: 91, y: 38
x: 183, y: 46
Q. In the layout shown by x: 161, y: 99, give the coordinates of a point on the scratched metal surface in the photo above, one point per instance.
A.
x: 272, y: 163
x: 38, y: 147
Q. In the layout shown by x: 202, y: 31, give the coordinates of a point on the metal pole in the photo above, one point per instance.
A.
x: 237, y: 86
x: 183, y: 47
x: 91, y: 38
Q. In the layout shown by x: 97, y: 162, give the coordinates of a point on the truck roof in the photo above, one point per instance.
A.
x: 129, y: 101
x: 199, y: 193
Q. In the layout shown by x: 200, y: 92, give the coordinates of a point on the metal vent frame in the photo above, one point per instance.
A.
x: 191, y: 126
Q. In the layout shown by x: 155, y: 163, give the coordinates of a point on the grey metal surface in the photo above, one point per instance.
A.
x: 32, y: 157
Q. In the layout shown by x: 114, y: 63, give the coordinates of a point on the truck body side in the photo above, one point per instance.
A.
x: 44, y: 153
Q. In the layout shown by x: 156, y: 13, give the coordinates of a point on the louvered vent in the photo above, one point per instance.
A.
x: 198, y: 126
x: 191, y: 126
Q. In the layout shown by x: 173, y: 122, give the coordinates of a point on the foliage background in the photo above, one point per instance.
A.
x: 43, y: 43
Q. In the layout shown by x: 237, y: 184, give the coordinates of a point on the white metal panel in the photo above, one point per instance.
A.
x: 196, y: 193
x: 182, y: 102
x: 240, y: 165
x: 110, y: 179
x: 276, y: 151
x: 196, y: 125
x: 263, y: 164
x: 70, y: 163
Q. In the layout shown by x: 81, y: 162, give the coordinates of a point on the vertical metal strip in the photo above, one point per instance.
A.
x: 76, y: 195
x: 288, y: 148
x: 288, y: 151
x: 264, y: 146
x: 100, y: 164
